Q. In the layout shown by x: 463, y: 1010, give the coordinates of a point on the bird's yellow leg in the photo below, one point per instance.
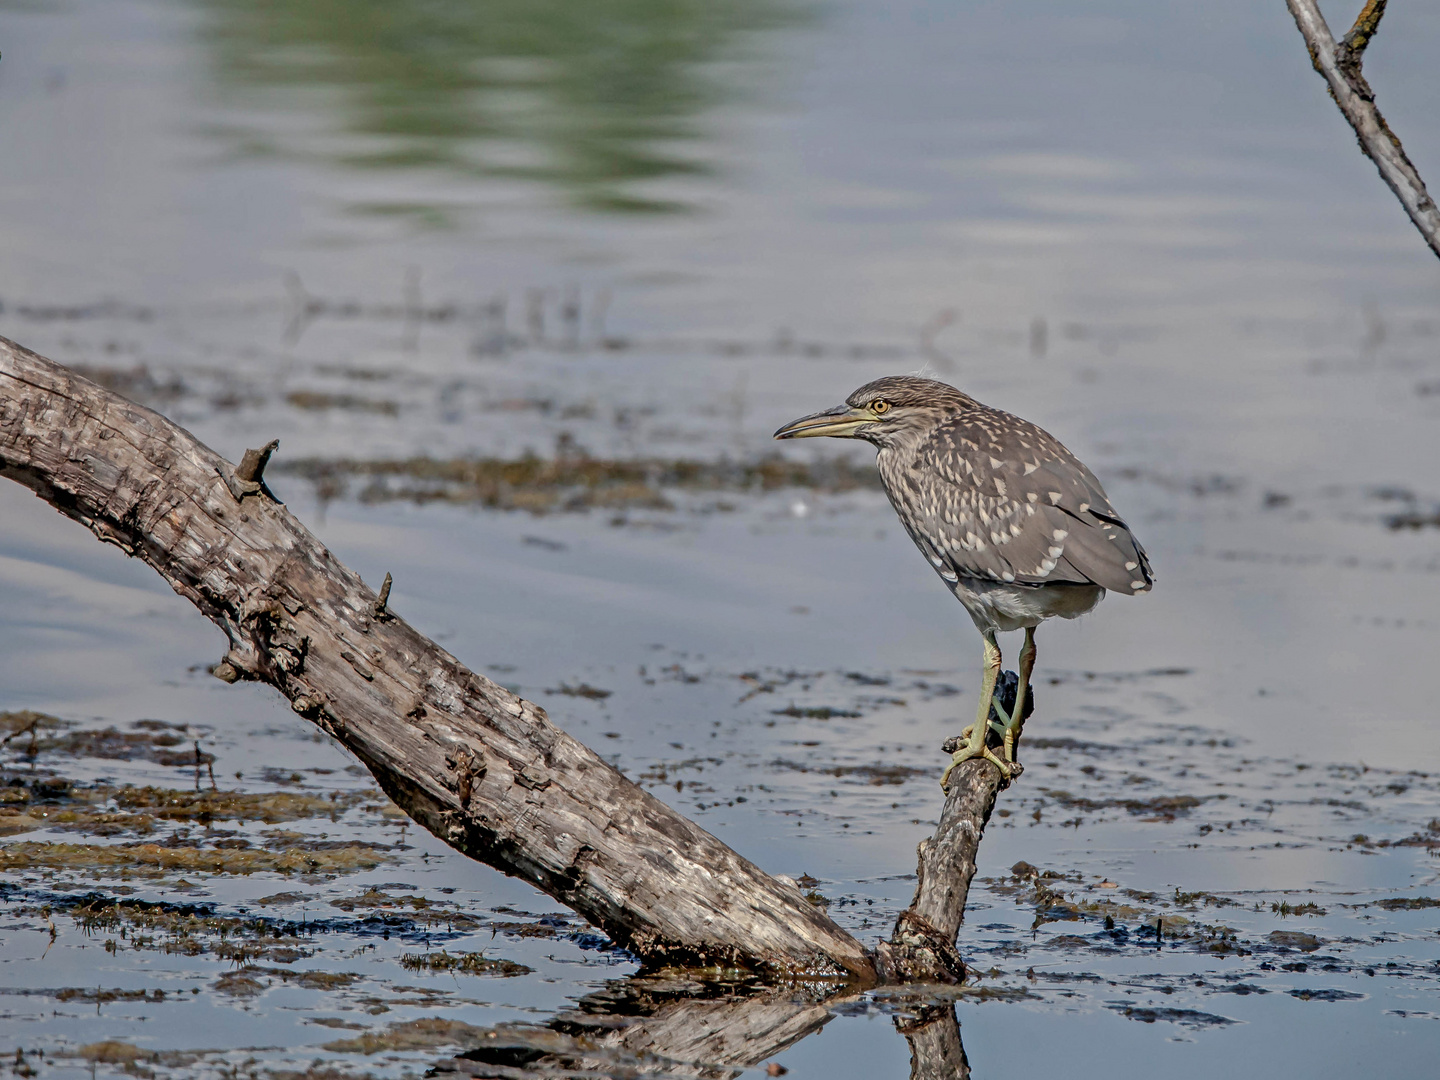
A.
x: 1016, y: 722
x: 976, y: 747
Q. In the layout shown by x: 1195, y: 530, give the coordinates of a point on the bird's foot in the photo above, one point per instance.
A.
x: 969, y: 746
x: 1009, y: 770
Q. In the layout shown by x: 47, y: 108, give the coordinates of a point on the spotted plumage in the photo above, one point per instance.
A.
x: 1016, y: 526
x: 991, y: 498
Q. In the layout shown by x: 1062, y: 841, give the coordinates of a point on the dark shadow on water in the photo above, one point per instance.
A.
x: 591, y: 96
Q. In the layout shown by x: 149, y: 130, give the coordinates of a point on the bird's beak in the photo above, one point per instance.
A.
x: 841, y: 421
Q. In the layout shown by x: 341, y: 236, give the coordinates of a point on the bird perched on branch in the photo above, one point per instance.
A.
x: 1013, y: 523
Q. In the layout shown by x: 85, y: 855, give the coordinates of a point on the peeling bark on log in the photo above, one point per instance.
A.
x: 479, y: 767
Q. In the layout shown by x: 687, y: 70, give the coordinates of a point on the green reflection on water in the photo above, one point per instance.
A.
x: 593, y: 96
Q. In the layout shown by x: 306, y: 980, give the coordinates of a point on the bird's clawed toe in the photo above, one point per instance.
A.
x: 1009, y: 770
x: 1003, y: 725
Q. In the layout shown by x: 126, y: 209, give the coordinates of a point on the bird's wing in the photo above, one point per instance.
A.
x: 993, y: 496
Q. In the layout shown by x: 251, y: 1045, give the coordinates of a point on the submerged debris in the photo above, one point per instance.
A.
x: 1328, y: 994
x: 430, y: 1033
x: 471, y: 963
x: 821, y: 712
x: 581, y: 690
x: 1191, y: 1018
x: 1295, y: 939
x: 1407, y: 903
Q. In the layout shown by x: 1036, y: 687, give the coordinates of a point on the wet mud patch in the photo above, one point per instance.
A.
x: 166, y: 927
x: 871, y: 774
x: 250, y: 981
x: 429, y: 1033
x: 318, y: 401
x: 163, y: 743
x: 581, y: 690
x: 1156, y: 808
x: 156, y: 861
x: 568, y: 482
x: 132, y: 1057
x: 20, y: 723
x: 145, y: 831
x: 56, y: 803
x: 327, y: 970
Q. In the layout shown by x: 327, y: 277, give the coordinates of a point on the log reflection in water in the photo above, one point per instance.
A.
x: 677, y: 1026
x: 936, y: 1052
x: 654, y: 1027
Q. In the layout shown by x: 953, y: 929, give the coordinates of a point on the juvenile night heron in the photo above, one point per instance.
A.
x: 1016, y: 526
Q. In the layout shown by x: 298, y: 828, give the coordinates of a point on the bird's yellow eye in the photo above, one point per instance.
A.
x: 880, y: 408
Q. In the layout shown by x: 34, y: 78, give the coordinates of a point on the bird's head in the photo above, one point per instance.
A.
x: 885, y: 412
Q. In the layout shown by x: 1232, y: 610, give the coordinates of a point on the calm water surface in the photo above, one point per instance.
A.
x: 647, y: 230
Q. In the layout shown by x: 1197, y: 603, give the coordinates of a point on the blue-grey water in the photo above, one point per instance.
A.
x: 653, y: 230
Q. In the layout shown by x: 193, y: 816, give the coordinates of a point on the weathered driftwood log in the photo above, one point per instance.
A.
x: 1340, y: 65
x: 479, y: 767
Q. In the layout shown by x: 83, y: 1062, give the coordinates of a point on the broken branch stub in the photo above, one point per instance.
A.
x: 476, y: 765
x: 383, y: 600
x: 248, y: 478
x: 252, y: 466
x: 922, y: 946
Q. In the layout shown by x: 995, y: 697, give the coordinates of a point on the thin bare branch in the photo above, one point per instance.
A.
x: 1340, y: 67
